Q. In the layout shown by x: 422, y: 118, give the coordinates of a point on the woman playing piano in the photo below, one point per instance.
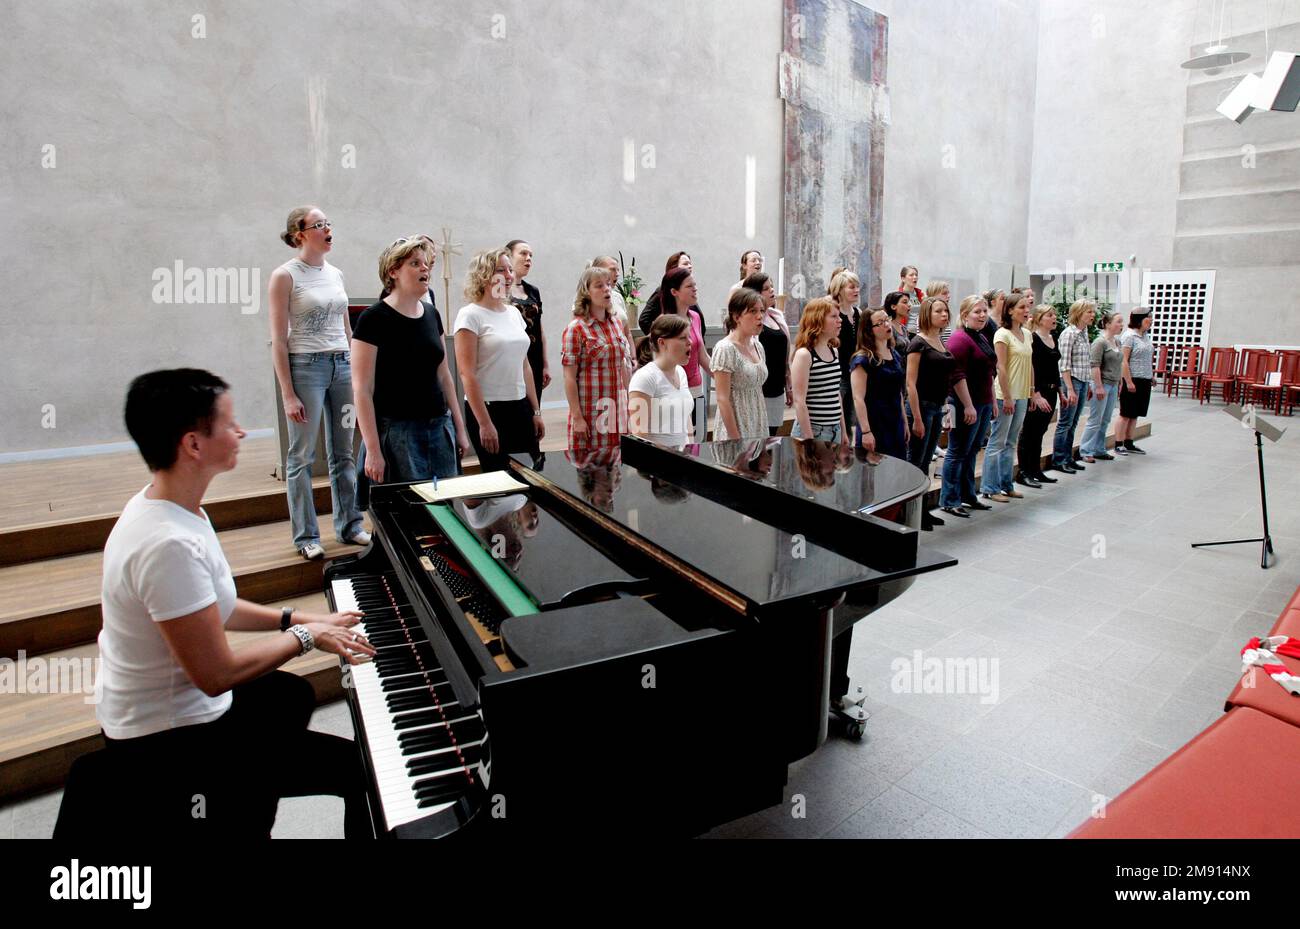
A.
x: 215, y: 736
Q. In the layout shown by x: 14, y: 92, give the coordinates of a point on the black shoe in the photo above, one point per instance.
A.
x: 956, y: 511
x: 1133, y: 449
x: 1044, y: 479
x: 1104, y: 456
x: 1077, y: 465
x: 975, y: 505
x: 1027, y: 481
x: 927, y: 516
x: 1063, y: 468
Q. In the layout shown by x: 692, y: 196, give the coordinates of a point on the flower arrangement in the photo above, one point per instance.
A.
x: 629, y: 285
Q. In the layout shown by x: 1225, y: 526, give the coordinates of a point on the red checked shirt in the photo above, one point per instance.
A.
x: 600, y: 351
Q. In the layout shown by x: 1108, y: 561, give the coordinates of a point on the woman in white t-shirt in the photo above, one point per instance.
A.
x: 659, y: 398
x: 310, y: 341
x: 501, y: 409
x: 184, y: 714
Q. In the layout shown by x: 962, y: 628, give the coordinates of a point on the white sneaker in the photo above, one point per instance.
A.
x: 360, y: 537
x: 312, y: 551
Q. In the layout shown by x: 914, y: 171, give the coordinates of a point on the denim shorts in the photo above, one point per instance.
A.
x: 819, y: 433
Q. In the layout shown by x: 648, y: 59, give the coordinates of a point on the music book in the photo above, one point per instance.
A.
x: 487, y: 484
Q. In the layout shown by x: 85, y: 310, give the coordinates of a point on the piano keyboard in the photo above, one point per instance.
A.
x: 426, y: 751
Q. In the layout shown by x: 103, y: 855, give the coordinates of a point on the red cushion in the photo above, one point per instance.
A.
x: 1231, y: 781
x: 1295, y: 601
x: 1288, y: 623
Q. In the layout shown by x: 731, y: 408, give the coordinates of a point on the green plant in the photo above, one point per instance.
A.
x: 1062, y: 296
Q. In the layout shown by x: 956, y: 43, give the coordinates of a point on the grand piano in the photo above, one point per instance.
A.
x: 637, y: 641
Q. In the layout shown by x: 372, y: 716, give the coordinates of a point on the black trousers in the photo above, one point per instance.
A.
x: 841, y: 645
x: 1029, y: 451
x: 513, y: 420
x: 219, y: 779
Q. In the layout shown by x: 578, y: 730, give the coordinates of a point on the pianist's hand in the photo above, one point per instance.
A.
x: 352, y: 646
x: 345, y: 619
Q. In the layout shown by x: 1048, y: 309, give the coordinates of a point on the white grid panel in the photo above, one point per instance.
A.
x: 1180, y: 303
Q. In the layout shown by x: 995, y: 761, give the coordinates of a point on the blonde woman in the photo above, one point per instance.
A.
x: 929, y: 371
x: 310, y: 348
x: 1076, y: 368
x: 502, y: 414
x: 597, y: 360
x: 1013, y: 388
x: 846, y: 290
x: 943, y: 291
x: 411, y: 426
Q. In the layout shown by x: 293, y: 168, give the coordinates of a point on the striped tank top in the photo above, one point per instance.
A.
x: 824, y: 390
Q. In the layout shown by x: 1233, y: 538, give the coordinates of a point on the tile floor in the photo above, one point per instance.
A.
x: 1115, y: 643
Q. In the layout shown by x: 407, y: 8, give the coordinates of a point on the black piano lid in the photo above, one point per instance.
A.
x: 852, y: 503
x: 766, y: 566
x: 544, y: 556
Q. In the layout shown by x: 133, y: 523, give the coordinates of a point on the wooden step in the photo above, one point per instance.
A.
x: 42, y: 734
x: 55, y: 604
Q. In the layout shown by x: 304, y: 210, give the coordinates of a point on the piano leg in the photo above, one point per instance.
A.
x: 802, y: 654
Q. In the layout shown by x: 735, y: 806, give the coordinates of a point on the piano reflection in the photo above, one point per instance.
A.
x: 637, y: 642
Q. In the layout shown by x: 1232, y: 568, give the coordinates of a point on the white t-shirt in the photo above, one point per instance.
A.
x: 161, y: 562
x: 318, y: 303
x: 668, y: 421
x: 502, y: 346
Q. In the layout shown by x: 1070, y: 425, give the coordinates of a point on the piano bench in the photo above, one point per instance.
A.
x: 1217, y: 786
x: 1263, y: 693
x: 105, y: 799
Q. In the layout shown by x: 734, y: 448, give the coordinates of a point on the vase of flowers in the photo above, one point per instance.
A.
x: 629, y: 286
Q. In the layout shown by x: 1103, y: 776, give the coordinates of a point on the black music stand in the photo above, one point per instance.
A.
x: 1249, y: 419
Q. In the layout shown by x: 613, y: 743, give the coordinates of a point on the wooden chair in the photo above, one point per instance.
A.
x: 1222, y: 371
x: 1190, y: 370
x: 1161, y: 370
x: 1255, y: 364
x: 1288, y: 389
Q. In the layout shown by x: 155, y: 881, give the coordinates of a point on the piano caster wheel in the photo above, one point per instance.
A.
x: 854, y: 719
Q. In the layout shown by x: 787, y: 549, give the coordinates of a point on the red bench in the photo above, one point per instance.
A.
x: 1212, y: 787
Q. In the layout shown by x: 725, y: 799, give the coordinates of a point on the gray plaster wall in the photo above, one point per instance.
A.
x: 1130, y: 157
x: 129, y: 143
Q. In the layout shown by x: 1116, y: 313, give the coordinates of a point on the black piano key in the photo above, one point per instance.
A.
x: 406, y: 681
x: 470, y: 755
x: 419, y: 718
x: 435, y: 790
x: 424, y: 698
x: 428, y: 740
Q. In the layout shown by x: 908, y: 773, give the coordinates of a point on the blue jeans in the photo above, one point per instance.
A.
x: 820, y: 433
x: 323, y: 382
x: 1000, y: 454
x: 959, y: 460
x: 920, y: 451
x: 1099, y: 413
x: 417, y: 449
x: 1063, y: 444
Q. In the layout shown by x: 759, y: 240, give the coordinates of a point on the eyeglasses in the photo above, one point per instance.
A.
x: 883, y: 322
x: 323, y: 224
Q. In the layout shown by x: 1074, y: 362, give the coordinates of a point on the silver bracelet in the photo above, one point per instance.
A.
x: 304, y: 638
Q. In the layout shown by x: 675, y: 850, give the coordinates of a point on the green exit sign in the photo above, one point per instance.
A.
x: 1107, y: 267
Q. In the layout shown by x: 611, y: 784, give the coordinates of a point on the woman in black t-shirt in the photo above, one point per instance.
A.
x: 529, y: 300
x: 1047, y: 380
x: 400, y: 378
x: 929, y: 372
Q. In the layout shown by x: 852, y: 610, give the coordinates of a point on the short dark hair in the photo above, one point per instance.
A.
x: 742, y: 301
x: 756, y: 281
x: 162, y: 406
x: 891, y: 302
x: 1135, y: 318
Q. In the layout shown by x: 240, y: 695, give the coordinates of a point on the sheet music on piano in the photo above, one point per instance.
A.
x: 487, y: 484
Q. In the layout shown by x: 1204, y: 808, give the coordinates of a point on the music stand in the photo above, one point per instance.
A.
x: 1249, y: 419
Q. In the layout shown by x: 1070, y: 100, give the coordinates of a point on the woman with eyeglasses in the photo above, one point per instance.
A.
x: 310, y: 336
x: 597, y: 358
x: 502, y: 415
x: 751, y: 263
x: 411, y: 429
x: 878, y: 380
x: 529, y: 300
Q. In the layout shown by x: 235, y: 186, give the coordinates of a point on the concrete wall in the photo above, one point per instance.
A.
x: 500, y: 120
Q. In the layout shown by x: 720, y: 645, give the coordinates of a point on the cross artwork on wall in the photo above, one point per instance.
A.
x: 836, y: 110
